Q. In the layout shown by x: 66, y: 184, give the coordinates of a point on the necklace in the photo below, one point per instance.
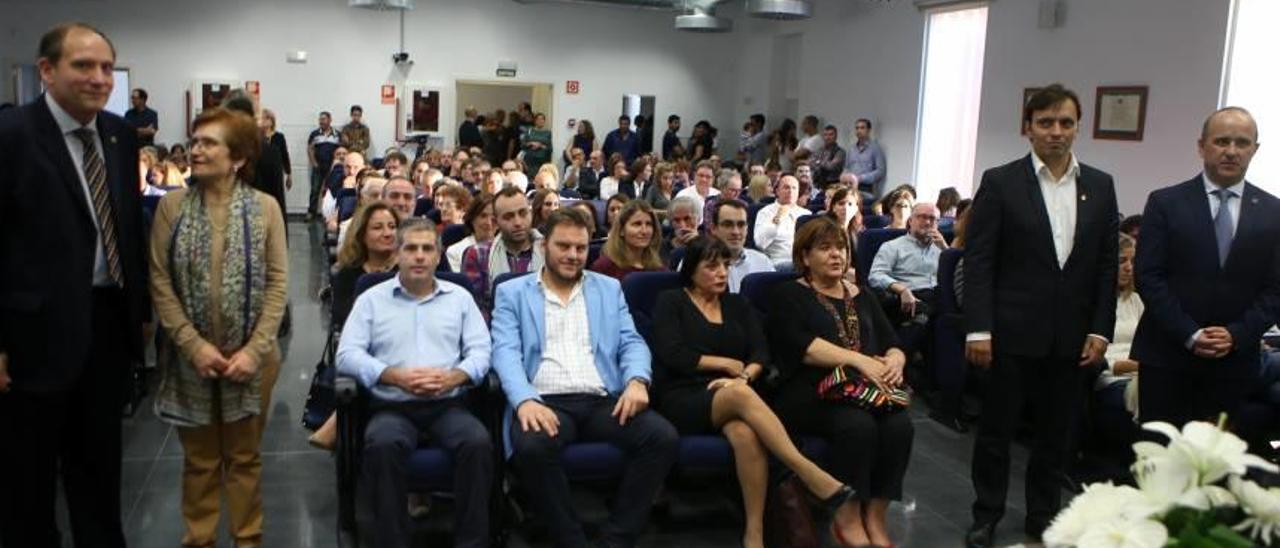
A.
x: 848, y: 329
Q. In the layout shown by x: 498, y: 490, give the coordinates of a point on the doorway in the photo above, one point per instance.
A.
x: 641, y: 105
x: 489, y: 96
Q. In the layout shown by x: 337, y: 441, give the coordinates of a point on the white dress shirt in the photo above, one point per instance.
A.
x: 568, y: 363
x: 776, y: 240
x: 1060, y: 201
x: 68, y: 125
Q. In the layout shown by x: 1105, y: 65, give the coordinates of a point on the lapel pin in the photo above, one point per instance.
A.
x: 1084, y: 197
x: 1254, y: 201
x: 113, y: 139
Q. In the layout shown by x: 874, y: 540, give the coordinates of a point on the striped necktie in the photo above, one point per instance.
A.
x: 95, y: 173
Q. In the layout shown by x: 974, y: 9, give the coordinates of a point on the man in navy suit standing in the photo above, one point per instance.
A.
x: 73, y: 296
x: 1040, y: 305
x: 1207, y: 271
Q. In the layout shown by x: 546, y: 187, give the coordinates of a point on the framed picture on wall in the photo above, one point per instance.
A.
x: 1120, y: 113
x: 1026, y: 97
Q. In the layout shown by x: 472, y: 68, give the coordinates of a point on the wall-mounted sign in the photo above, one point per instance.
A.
x: 572, y: 87
x: 388, y: 94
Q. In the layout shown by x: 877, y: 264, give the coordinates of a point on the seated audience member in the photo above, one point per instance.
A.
x: 961, y: 207
x: 845, y: 208
x: 823, y: 322
x: 418, y: 344
x: 345, y: 175
x: 544, y: 202
x: 638, y: 180
x: 905, y: 270
x: 394, y: 163
x: 575, y: 163
x: 708, y: 350
x: 662, y: 191
x: 495, y: 181
x: 590, y: 211
x: 369, y: 191
x: 400, y: 195
x: 480, y: 228
x: 702, y: 188
x: 371, y: 248
x: 548, y: 176
x: 776, y: 223
x: 1131, y: 225
x: 591, y: 175
x: 573, y: 369
x: 729, y: 224
x: 1117, y: 387
x: 948, y: 199
x: 729, y: 183
x: 515, y: 249
x: 612, y: 207
x: 684, y: 216
x: 898, y: 206
x: 759, y: 188
x: 452, y: 202
x: 804, y: 174
x: 222, y: 311
x: 609, y: 186
x: 633, y: 244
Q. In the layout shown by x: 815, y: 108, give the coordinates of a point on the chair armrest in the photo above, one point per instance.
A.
x: 345, y: 389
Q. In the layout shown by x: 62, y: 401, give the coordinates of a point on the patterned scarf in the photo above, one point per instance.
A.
x: 184, y: 398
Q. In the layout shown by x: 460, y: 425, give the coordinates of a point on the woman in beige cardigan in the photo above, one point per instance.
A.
x: 218, y: 280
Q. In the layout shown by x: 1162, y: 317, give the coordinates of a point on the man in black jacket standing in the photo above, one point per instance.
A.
x: 73, y: 296
x: 1040, y: 305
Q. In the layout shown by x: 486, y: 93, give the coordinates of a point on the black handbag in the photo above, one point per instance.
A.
x: 321, y: 402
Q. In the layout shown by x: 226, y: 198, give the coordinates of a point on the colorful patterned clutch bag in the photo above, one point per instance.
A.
x: 845, y: 384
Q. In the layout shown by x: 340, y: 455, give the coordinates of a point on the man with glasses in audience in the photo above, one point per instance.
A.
x: 729, y: 223
x: 904, y: 273
x: 419, y: 344
x: 574, y: 368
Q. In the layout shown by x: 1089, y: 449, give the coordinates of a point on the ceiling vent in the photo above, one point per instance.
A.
x: 703, y: 21
x: 782, y: 10
x: 381, y: 4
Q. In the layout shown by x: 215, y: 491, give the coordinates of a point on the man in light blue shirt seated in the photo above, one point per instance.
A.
x: 905, y: 270
x: 418, y: 344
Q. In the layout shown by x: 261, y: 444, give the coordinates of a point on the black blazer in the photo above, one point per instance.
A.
x: 1183, y: 288
x: 1014, y: 287
x: 49, y: 244
x: 589, y: 183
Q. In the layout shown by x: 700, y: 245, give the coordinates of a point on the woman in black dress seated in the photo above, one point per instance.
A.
x: 821, y: 322
x: 708, y: 350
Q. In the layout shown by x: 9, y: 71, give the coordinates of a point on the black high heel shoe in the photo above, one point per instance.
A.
x: 832, y: 505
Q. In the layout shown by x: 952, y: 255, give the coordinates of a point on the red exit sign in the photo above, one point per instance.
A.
x: 572, y: 87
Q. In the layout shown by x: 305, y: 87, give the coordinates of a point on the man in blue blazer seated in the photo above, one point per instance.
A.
x: 1208, y: 272
x: 574, y: 368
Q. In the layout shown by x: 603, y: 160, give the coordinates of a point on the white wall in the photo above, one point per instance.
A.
x: 169, y: 43
x: 863, y: 59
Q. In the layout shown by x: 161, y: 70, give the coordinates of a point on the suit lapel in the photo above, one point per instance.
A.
x: 536, y: 301
x: 1037, y: 207
x: 55, y: 145
x: 1085, y: 209
x: 595, y: 309
x: 1204, y: 234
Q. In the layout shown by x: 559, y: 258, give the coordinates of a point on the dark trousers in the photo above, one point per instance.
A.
x: 869, y: 451
x: 649, y: 441
x: 391, y: 437
x: 317, y: 185
x: 75, y: 432
x: 1055, y: 389
x: 1200, y: 391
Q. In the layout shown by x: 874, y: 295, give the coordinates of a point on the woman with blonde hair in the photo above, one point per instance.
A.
x: 267, y: 122
x: 759, y: 188
x: 633, y: 244
x: 219, y: 275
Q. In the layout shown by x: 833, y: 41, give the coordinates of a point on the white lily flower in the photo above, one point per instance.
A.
x: 1262, y: 508
x: 1211, y: 452
x: 1099, y: 502
x: 1121, y: 533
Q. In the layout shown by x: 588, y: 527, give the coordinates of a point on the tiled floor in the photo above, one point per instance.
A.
x: 300, y: 500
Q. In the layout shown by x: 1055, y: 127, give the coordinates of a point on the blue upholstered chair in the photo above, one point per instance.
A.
x: 869, y: 243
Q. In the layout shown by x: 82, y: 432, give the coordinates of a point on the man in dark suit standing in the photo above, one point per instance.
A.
x: 1207, y: 271
x: 73, y: 296
x: 469, y: 133
x: 1040, y: 305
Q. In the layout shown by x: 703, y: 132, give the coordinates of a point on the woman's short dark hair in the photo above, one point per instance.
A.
x: 584, y: 207
x: 475, y: 210
x: 819, y: 230
x: 699, y: 250
x: 1047, y: 97
x: 241, y: 136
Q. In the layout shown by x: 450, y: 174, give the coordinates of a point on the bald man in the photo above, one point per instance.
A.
x: 1207, y: 272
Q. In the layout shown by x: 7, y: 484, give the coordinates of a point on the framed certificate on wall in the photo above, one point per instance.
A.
x: 1120, y: 113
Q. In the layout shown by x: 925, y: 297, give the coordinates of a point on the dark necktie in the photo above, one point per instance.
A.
x: 1222, y: 224
x: 95, y: 173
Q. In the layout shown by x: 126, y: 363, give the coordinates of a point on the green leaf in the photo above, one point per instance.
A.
x: 1228, y: 537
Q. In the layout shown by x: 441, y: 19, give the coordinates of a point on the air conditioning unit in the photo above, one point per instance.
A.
x: 783, y: 10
